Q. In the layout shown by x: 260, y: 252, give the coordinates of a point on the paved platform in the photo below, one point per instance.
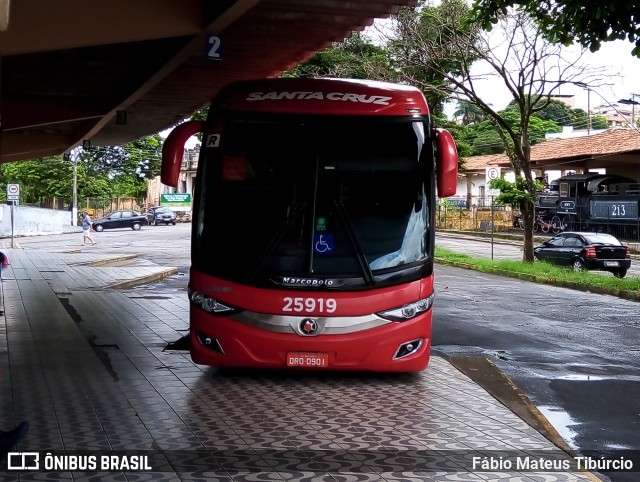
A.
x: 86, y: 365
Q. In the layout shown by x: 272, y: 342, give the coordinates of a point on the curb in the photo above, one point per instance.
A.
x: 497, y: 383
x: 7, y: 245
x: 102, y: 262
x: 142, y: 280
x: 624, y: 294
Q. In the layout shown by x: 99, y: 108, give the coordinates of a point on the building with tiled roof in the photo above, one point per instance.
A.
x: 615, y: 151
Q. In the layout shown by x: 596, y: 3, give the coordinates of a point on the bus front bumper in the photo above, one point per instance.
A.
x: 394, y: 347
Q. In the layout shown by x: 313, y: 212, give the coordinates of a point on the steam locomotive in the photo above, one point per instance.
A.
x: 594, y: 202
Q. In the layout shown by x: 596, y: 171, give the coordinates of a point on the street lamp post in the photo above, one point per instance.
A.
x: 588, y: 89
x: 73, y: 157
x: 623, y: 101
x: 74, y: 209
x: 588, y: 111
x: 633, y: 103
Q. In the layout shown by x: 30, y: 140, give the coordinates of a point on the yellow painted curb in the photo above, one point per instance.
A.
x: 102, y: 262
x: 143, y: 279
x: 549, y: 430
x: 553, y: 433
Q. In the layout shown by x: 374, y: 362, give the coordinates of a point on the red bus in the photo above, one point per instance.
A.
x: 313, y: 224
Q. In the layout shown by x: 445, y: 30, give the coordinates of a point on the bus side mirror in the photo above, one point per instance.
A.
x: 173, y: 150
x: 446, y: 163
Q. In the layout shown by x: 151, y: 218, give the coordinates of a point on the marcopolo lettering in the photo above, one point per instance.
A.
x: 307, y: 281
x: 334, y: 96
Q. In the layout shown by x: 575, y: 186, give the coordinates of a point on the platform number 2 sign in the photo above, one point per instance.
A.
x: 214, y: 47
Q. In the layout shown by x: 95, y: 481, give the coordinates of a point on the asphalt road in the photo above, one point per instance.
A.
x: 574, y: 354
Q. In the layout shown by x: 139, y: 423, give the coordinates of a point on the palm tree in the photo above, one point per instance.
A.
x: 469, y: 112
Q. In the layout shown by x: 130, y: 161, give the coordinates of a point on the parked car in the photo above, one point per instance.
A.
x: 586, y: 251
x: 120, y: 219
x: 161, y: 215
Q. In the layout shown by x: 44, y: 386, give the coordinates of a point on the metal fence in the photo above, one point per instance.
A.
x: 455, y: 215
x: 469, y: 202
x: 97, y: 206
x: 452, y: 216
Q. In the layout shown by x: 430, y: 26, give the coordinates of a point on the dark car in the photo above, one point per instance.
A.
x: 120, y: 219
x: 161, y: 215
x: 586, y: 251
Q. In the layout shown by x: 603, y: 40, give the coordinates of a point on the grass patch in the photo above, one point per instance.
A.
x: 546, y: 273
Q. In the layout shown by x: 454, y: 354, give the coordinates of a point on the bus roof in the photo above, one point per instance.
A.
x: 323, y: 96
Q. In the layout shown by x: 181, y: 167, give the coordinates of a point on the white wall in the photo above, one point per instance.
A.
x: 30, y: 221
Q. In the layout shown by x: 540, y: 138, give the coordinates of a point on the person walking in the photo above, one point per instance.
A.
x: 8, y: 440
x: 86, y: 228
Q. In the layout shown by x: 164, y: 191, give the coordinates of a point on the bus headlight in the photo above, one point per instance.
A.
x: 408, y: 311
x: 210, y: 305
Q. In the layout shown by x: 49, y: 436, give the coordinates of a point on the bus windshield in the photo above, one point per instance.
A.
x: 286, y: 198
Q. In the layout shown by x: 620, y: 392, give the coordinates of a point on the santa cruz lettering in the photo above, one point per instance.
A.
x: 340, y: 96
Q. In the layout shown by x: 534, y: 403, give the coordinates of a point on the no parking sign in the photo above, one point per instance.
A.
x: 491, y: 173
x: 13, y: 192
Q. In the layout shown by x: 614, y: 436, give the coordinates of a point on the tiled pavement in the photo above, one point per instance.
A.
x: 85, y: 365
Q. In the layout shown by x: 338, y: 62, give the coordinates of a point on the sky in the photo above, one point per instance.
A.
x: 622, y: 72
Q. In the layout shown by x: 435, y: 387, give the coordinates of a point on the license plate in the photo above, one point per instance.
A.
x: 310, y: 360
x: 611, y: 263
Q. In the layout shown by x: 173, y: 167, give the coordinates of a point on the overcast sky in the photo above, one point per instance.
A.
x: 614, y: 56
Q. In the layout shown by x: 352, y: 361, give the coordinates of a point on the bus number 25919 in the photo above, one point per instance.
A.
x: 308, y: 305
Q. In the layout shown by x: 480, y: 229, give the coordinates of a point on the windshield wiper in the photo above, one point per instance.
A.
x: 273, y: 244
x: 362, y: 259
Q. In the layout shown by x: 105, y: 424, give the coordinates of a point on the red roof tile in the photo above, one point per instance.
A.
x: 614, y: 141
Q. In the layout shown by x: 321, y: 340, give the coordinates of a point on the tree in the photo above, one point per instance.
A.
x: 469, y: 113
x: 513, y: 193
x: 554, y: 110
x: 42, y: 179
x: 39, y: 179
x: 485, y: 136
x: 599, y: 122
x: 127, y: 167
x: 355, y: 58
x: 442, y: 39
x: 569, y: 21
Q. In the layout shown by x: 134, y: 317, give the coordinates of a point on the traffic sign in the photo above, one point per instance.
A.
x: 13, y: 192
x: 491, y: 173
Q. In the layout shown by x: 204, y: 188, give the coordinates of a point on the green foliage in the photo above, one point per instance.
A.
x: 355, y: 58
x: 514, y: 193
x: 599, y: 122
x: 569, y: 21
x: 459, y: 134
x: 484, y: 137
x: 101, y: 171
x: 557, y: 111
x: 563, y: 115
x: 39, y: 179
x: 438, y: 26
x: 469, y: 113
x: 542, y: 273
x: 141, y: 158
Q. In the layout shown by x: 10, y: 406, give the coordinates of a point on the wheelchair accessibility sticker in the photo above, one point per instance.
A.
x: 323, y: 243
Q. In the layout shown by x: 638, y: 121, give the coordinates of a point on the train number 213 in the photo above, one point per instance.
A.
x: 618, y: 210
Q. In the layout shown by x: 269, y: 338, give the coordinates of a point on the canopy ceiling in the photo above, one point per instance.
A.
x: 112, y: 71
